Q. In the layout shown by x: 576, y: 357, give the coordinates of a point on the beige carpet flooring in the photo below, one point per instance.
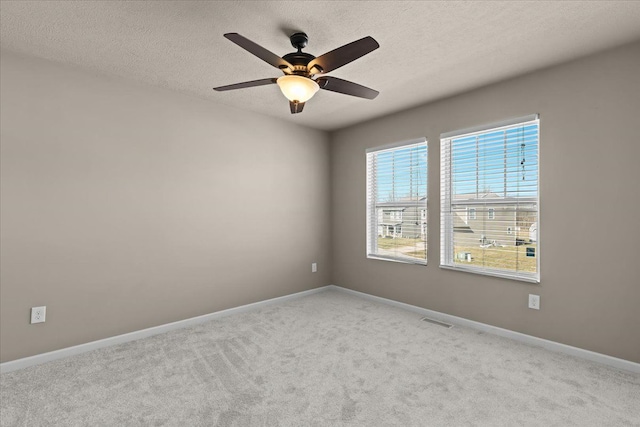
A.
x: 328, y: 359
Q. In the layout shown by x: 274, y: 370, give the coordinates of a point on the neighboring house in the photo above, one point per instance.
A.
x: 403, y: 218
x: 487, y: 217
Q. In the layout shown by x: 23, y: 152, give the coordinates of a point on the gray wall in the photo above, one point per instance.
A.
x: 590, y: 206
x: 126, y: 206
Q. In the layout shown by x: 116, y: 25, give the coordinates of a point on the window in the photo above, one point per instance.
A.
x: 395, y: 216
x: 483, y: 170
x: 397, y: 202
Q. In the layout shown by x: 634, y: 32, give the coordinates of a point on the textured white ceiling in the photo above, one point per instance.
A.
x: 429, y: 50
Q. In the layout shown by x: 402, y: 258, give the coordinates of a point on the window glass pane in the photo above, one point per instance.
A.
x: 489, y: 185
x: 397, y: 203
x: 501, y: 244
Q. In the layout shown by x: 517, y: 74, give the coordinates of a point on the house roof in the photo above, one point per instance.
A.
x: 402, y: 203
x: 490, y: 198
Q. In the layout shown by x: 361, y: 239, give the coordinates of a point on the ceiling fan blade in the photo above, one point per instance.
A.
x: 335, y: 84
x: 342, y: 55
x: 296, y: 107
x: 243, y: 85
x: 259, y: 51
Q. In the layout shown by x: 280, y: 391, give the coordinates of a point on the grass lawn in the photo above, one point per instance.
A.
x: 387, y: 243
x: 418, y: 254
x: 504, y: 258
x: 402, y: 246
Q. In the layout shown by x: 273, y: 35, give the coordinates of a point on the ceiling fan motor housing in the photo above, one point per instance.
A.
x: 299, y: 59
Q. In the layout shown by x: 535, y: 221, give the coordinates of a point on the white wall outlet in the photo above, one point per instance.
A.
x: 534, y: 301
x: 38, y: 314
x: 314, y: 267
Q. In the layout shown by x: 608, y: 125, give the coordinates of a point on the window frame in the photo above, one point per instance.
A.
x: 372, y: 226
x: 447, y: 255
x: 491, y: 213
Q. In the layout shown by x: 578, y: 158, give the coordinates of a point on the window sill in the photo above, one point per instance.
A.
x: 398, y: 260
x: 530, y: 279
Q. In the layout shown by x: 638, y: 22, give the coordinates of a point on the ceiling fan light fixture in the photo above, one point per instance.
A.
x: 297, y: 88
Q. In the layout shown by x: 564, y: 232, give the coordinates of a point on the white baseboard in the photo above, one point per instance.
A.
x: 614, y: 362
x: 454, y: 320
x: 144, y: 333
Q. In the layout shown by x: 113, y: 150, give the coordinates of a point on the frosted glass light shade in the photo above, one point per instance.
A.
x: 297, y: 88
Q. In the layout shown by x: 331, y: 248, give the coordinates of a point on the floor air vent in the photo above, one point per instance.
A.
x: 436, y: 322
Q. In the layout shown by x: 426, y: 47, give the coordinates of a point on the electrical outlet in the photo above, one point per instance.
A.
x: 38, y: 314
x: 314, y: 267
x: 534, y: 301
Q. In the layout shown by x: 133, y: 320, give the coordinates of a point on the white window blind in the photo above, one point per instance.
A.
x: 397, y: 202
x: 490, y: 201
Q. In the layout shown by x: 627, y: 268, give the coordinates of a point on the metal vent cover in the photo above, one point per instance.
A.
x: 436, y: 322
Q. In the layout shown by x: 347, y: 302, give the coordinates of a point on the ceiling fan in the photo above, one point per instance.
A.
x: 303, y: 72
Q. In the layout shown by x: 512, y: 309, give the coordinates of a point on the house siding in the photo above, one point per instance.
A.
x: 410, y: 221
